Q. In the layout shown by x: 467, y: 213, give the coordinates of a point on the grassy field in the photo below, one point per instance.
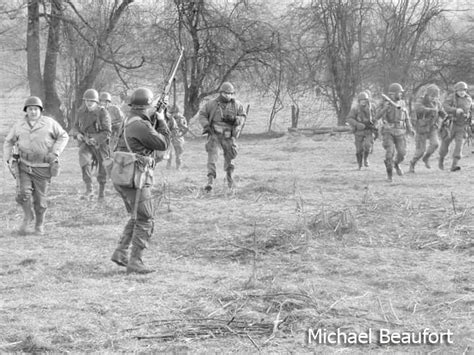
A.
x: 305, y: 241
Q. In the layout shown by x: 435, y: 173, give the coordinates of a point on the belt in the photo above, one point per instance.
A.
x: 34, y: 159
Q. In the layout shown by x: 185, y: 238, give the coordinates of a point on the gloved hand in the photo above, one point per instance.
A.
x: 206, y: 130
x: 92, y: 141
x: 80, y: 137
x: 50, y: 157
x: 360, y: 126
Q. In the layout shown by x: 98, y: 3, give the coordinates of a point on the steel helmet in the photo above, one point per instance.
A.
x: 432, y: 90
x: 460, y: 86
x: 395, y: 88
x: 227, y: 87
x: 33, y: 101
x: 91, y: 94
x: 362, y: 96
x: 141, y: 97
x: 105, y: 96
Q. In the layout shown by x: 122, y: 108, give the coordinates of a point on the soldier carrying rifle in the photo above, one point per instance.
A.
x: 92, y: 129
x: 429, y: 115
x: 456, y: 125
x: 361, y: 119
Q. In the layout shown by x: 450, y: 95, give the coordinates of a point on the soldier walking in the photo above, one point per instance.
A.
x: 361, y: 120
x: 40, y: 141
x: 429, y: 114
x: 221, y: 120
x: 177, y: 137
x: 395, y: 125
x: 139, y: 136
x: 116, y: 117
x: 458, y: 106
x: 92, y: 129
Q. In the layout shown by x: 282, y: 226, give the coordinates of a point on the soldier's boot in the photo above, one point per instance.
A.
x: 426, y: 160
x: 359, y: 160
x: 229, y: 178
x: 39, y: 224
x: 366, y: 159
x: 27, y: 218
x: 454, y: 166
x: 441, y: 163
x: 101, y: 191
x: 398, y: 169
x: 389, y: 168
x: 412, y: 166
x: 210, y: 181
x: 135, y: 264
x: 88, y: 193
x: 120, y: 255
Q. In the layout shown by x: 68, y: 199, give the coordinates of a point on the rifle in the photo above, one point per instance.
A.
x: 245, y: 121
x: 14, y: 166
x: 390, y: 101
x: 161, y: 104
x: 371, y: 126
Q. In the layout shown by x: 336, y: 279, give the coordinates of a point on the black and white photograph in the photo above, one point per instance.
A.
x: 237, y: 176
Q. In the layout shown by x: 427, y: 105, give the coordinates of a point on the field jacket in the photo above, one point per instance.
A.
x: 222, y: 116
x: 35, y: 142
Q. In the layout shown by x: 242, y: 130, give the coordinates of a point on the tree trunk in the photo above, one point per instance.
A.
x: 52, y: 105
x: 35, y: 79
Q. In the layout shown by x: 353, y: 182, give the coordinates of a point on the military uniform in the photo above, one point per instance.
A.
x: 39, y: 142
x: 361, y: 120
x: 177, y: 138
x: 143, y: 139
x: 116, y: 117
x: 92, y: 128
x: 395, y: 125
x: 457, y: 125
x: 429, y: 114
x: 221, y: 119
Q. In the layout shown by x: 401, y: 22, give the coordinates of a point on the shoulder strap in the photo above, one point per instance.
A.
x: 125, y: 124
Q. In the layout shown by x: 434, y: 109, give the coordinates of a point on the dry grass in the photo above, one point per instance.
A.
x: 305, y: 241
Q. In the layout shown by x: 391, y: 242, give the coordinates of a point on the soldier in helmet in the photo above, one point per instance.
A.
x: 141, y: 135
x: 40, y: 141
x: 459, y: 108
x: 177, y: 136
x: 221, y: 119
x: 361, y: 119
x: 395, y: 125
x: 429, y: 114
x: 92, y: 129
x: 116, y: 117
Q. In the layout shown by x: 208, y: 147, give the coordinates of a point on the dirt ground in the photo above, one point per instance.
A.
x: 305, y: 242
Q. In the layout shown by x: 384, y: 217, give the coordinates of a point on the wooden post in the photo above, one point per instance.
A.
x: 295, y: 113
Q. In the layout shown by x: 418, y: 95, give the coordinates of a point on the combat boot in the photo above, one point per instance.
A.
x: 27, y: 219
x: 454, y: 166
x: 210, y: 181
x: 101, y: 191
x: 412, y: 166
x: 135, y: 264
x: 441, y: 163
x: 389, y: 168
x: 366, y: 159
x: 88, y: 193
x: 426, y: 161
x: 39, y: 224
x: 359, y: 160
x: 120, y: 255
x: 229, y: 178
x: 398, y: 169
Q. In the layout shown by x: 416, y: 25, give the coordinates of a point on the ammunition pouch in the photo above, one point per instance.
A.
x: 229, y: 119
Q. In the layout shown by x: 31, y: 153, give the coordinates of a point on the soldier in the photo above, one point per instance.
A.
x: 395, y: 125
x: 429, y: 113
x: 139, y: 136
x: 458, y: 107
x: 92, y: 129
x: 361, y: 119
x: 177, y: 136
x: 40, y: 141
x: 116, y: 117
x: 221, y: 119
